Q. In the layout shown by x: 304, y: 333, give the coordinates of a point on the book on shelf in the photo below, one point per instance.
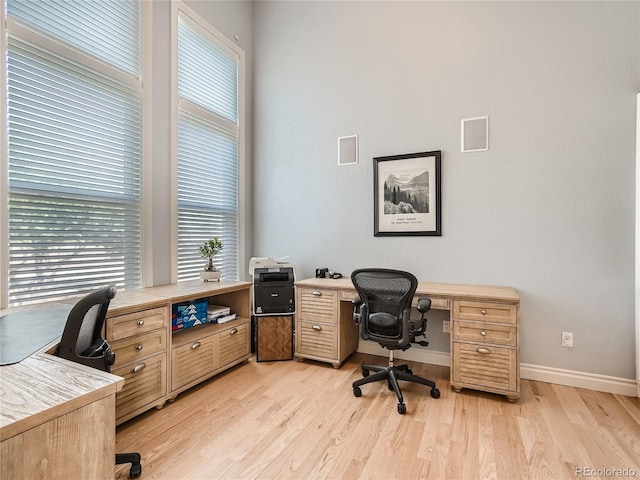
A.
x: 217, y: 311
x: 226, y: 318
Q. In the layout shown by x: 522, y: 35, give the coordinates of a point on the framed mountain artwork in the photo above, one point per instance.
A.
x: 407, y: 194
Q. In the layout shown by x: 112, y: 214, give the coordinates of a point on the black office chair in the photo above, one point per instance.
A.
x: 383, y: 312
x: 82, y: 342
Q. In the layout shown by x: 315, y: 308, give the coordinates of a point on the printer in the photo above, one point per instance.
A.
x: 273, y: 286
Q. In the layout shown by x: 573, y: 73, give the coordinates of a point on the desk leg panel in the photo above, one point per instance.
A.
x: 79, y: 444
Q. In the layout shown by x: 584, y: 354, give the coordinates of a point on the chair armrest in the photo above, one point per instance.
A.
x: 359, y: 310
x: 424, y: 305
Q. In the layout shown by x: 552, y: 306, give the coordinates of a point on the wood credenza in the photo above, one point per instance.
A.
x: 485, y: 329
x: 157, y: 364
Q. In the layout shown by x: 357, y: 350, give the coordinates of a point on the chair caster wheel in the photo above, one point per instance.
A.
x: 135, y: 471
x: 402, y: 408
x: 365, y: 373
x: 357, y: 392
x: 435, y: 393
x: 409, y: 371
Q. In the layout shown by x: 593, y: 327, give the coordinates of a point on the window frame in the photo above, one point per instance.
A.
x: 207, y: 30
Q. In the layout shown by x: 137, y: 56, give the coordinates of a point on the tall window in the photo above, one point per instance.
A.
x: 73, y: 133
x: 208, y: 143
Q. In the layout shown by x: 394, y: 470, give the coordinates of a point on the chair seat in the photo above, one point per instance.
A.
x: 383, y: 323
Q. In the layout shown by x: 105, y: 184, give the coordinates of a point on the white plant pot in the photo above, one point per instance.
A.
x: 210, y: 276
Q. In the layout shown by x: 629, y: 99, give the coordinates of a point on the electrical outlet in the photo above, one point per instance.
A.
x: 445, y: 326
x: 567, y: 339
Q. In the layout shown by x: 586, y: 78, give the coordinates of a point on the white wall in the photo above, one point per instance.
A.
x: 549, y: 209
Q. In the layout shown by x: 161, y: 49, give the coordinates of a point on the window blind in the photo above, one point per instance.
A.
x: 207, y: 151
x: 107, y: 30
x: 74, y: 158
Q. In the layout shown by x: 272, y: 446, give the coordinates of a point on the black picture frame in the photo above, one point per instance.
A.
x: 407, y: 194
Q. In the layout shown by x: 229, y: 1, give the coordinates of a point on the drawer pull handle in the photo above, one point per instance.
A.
x: 483, y: 351
x: 316, y: 293
x: 483, y: 333
x: 138, y: 368
x: 317, y: 328
x: 233, y: 331
x: 195, y: 345
x: 138, y: 347
x: 484, y: 312
x: 140, y: 323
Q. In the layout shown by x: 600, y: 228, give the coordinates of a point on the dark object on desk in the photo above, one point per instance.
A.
x: 326, y: 273
x: 321, y: 272
x: 82, y: 343
x: 42, y: 327
x: 383, y: 311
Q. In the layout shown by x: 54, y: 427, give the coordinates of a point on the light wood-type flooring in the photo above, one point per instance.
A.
x: 300, y: 420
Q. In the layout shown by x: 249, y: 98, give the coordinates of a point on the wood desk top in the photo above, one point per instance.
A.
x: 191, y: 289
x: 43, y: 387
x: 450, y: 290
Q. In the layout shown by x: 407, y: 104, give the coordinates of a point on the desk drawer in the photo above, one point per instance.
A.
x: 318, y: 305
x: 484, y: 332
x: 485, y: 311
x: 123, y: 326
x: 193, y: 360
x: 348, y: 295
x: 481, y: 366
x: 144, y: 383
x: 234, y: 344
x: 135, y: 348
x: 317, y: 340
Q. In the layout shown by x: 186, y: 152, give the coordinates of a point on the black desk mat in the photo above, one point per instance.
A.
x: 24, y: 332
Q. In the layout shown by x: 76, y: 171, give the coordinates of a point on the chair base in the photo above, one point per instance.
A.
x: 134, y: 459
x: 392, y: 374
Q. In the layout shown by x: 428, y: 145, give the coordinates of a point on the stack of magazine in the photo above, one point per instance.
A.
x: 219, y: 314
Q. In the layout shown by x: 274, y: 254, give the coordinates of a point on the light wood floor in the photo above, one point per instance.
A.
x: 300, y: 420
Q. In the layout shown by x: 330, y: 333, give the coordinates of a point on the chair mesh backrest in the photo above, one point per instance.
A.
x: 89, y: 329
x: 83, y: 329
x: 389, y: 291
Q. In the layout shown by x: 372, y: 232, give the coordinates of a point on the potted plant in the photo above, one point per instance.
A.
x: 208, y: 250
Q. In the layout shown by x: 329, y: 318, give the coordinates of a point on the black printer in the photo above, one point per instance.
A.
x: 273, y: 290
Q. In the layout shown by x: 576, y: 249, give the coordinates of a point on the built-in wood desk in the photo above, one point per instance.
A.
x: 58, y: 418
x: 485, y: 329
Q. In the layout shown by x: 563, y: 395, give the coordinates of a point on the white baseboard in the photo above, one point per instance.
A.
x: 569, y: 378
x: 572, y: 378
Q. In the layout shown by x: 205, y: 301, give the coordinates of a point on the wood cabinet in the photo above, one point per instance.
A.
x: 325, y: 329
x: 139, y: 339
x: 158, y: 365
x: 201, y: 352
x: 485, y: 347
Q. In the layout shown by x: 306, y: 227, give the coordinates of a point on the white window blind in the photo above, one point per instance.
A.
x: 74, y: 148
x: 207, y: 150
x: 108, y: 30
